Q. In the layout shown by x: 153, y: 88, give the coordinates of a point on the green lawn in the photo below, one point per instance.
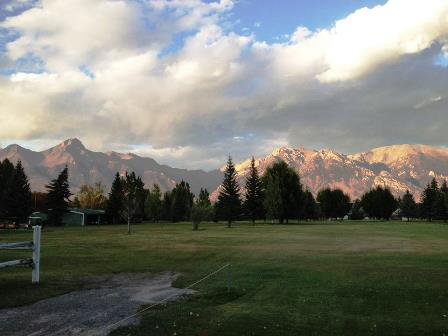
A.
x: 383, y: 278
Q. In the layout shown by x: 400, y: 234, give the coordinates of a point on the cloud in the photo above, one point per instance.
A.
x: 170, y: 78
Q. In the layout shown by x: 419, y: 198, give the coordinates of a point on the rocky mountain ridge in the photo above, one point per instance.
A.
x: 399, y: 167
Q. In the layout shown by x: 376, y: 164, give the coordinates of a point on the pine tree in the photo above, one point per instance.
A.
x: 140, y: 195
x: 167, y: 205
x: 153, y: 204
x: 6, y: 176
x: 115, y: 202
x: 229, y: 202
x: 20, y: 199
x: 58, y: 194
x: 203, y: 199
x: 182, y: 202
x: 254, y: 196
x: 408, y: 206
x: 429, y: 196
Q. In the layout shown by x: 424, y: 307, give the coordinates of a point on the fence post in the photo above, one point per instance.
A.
x: 36, y: 253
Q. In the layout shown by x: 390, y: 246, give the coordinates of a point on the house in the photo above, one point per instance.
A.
x: 75, y: 217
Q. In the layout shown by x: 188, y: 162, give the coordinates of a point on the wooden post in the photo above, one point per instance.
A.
x: 36, y: 254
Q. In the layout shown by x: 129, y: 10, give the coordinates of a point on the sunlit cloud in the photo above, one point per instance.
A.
x: 174, y: 80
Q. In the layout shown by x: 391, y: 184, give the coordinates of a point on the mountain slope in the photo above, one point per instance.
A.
x: 87, y: 167
x: 399, y: 167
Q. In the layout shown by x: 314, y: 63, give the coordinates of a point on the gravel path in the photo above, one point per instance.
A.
x: 88, y: 312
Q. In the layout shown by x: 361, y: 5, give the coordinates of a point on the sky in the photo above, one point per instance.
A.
x: 189, y: 82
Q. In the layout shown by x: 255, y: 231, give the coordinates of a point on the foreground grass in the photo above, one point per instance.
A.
x: 321, y: 279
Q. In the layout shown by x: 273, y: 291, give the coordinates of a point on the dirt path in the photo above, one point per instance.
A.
x: 88, y: 312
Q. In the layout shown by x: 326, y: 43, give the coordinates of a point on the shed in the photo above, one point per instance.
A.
x: 74, y: 217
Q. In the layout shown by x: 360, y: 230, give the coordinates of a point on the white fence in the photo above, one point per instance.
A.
x: 34, y: 246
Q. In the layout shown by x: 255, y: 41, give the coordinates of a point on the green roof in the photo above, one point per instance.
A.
x: 88, y: 211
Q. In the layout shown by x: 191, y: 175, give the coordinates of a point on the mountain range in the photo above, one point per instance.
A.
x: 399, y: 167
x: 88, y: 167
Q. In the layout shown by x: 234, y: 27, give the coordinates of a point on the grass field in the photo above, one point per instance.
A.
x: 383, y: 278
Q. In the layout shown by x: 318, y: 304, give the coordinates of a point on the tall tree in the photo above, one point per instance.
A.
x: 254, y: 196
x: 333, y: 203
x: 408, y: 206
x: 58, y: 194
x: 202, y: 209
x: 20, y: 198
x: 356, y: 212
x: 283, y: 192
x: 310, y: 207
x: 229, y: 201
x: 429, y: 197
x: 115, y: 202
x: 153, y: 204
x: 182, y: 202
x: 203, y: 199
x: 6, y: 176
x: 131, y: 187
x: 140, y: 195
x: 92, y: 196
x: 379, y: 203
x: 440, y: 208
x: 167, y: 206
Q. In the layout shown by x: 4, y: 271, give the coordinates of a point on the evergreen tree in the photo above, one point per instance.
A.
x: 140, y: 196
x: 20, y: 201
x: 182, y: 202
x: 229, y: 202
x: 153, y: 204
x: 254, y: 196
x: 408, y: 206
x: 203, y: 199
x: 7, y: 171
x: 283, y: 192
x: 167, y: 205
x: 429, y: 197
x: 115, y: 202
x: 58, y: 194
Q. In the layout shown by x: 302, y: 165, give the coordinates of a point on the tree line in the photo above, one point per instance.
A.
x: 277, y: 196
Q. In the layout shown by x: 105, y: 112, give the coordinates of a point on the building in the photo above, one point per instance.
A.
x: 75, y: 217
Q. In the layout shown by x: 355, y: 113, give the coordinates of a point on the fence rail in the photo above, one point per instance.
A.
x: 34, y: 246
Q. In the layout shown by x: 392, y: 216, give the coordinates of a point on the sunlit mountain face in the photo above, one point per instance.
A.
x: 398, y: 167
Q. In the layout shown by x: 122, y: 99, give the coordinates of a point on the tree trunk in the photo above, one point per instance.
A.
x: 229, y: 224
x: 195, y: 225
x: 129, y: 224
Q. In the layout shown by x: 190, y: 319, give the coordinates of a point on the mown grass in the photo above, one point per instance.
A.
x: 351, y: 278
